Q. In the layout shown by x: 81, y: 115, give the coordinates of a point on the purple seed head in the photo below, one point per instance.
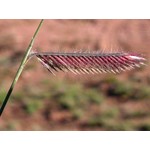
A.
x: 91, y: 62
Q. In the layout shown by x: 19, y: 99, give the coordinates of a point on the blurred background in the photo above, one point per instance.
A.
x: 41, y: 101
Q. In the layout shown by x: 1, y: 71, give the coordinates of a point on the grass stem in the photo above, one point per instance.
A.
x: 20, y: 69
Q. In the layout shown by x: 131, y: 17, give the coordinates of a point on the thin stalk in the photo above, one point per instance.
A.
x: 20, y: 69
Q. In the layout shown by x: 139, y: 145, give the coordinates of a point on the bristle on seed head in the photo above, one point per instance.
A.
x: 89, y: 62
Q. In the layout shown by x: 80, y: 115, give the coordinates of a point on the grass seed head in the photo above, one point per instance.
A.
x: 89, y: 62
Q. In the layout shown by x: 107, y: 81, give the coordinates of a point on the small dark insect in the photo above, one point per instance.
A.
x: 89, y: 62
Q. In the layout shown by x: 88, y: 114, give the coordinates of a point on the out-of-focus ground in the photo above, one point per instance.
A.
x: 41, y: 101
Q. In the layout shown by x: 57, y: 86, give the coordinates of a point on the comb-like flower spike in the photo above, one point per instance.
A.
x: 89, y: 62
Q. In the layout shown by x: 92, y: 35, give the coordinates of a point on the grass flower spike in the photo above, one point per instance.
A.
x: 89, y: 62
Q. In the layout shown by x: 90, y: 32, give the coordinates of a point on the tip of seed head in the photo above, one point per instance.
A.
x: 136, y: 57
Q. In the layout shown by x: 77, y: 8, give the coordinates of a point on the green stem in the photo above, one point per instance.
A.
x: 20, y: 69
